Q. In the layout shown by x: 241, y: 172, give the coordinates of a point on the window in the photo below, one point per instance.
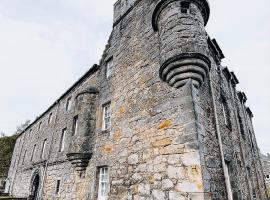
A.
x: 68, y: 104
x: 33, y: 153
x: 103, y: 186
x: 228, y: 181
x: 23, y: 159
x: 267, y: 176
x: 109, y: 65
x: 57, y: 188
x: 226, y: 112
x: 75, y: 125
x: 43, y: 150
x: 106, y: 117
x: 185, y: 7
x: 241, y: 125
x: 62, y: 140
x: 50, y: 118
x: 39, y: 126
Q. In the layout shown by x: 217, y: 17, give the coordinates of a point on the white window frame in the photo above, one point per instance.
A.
x: 106, y: 119
x: 62, y: 140
x: 44, y: 145
x: 103, y: 186
x: 57, y: 187
x: 109, y: 65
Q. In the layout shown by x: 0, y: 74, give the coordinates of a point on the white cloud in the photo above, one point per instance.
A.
x: 47, y: 45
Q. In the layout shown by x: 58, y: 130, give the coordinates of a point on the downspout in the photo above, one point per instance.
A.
x: 50, y: 150
x: 219, y: 139
x: 240, y: 137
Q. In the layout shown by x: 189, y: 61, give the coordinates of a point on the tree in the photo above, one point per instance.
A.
x: 2, y: 134
x: 21, y: 127
x: 6, y: 150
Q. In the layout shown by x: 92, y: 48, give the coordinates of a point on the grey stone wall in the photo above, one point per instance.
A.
x: 266, y: 169
x: 164, y: 142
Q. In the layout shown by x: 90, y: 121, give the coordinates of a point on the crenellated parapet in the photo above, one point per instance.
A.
x: 182, y: 41
x: 81, y: 145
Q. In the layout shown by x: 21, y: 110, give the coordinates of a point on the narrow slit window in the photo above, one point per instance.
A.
x: 33, y: 153
x: 57, y: 188
x: 62, y: 140
x: 103, y: 186
x: 39, y: 125
x: 50, y: 118
x: 75, y: 125
x: 43, y: 150
x: 185, y: 6
x: 109, y: 65
x: 226, y: 112
x: 241, y: 125
x: 23, y: 160
x: 106, y: 117
x: 68, y: 104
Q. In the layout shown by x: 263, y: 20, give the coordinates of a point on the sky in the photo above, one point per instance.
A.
x: 46, y: 45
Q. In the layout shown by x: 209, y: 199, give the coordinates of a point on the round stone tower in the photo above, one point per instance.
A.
x: 182, y: 40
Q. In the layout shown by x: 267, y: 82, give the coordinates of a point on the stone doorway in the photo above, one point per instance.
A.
x: 35, y: 188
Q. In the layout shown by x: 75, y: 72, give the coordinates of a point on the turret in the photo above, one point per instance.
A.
x: 182, y: 41
x: 81, y: 145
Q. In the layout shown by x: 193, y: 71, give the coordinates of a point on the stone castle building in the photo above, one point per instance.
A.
x: 266, y: 169
x: 158, y: 118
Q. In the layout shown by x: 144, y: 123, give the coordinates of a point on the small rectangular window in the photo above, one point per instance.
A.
x: 68, y: 104
x: 62, y: 140
x: 75, y: 125
x: 106, y: 117
x: 23, y: 159
x: 50, y: 118
x: 57, y: 188
x: 103, y: 185
x: 109, y: 65
x: 43, y: 150
x: 185, y: 6
x: 33, y: 153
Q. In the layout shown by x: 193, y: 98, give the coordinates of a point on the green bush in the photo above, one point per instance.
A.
x: 6, y: 150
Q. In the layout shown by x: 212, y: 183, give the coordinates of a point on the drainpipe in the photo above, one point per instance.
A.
x: 240, y: 137
x: 50, y: 150
x: 219, y: 139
